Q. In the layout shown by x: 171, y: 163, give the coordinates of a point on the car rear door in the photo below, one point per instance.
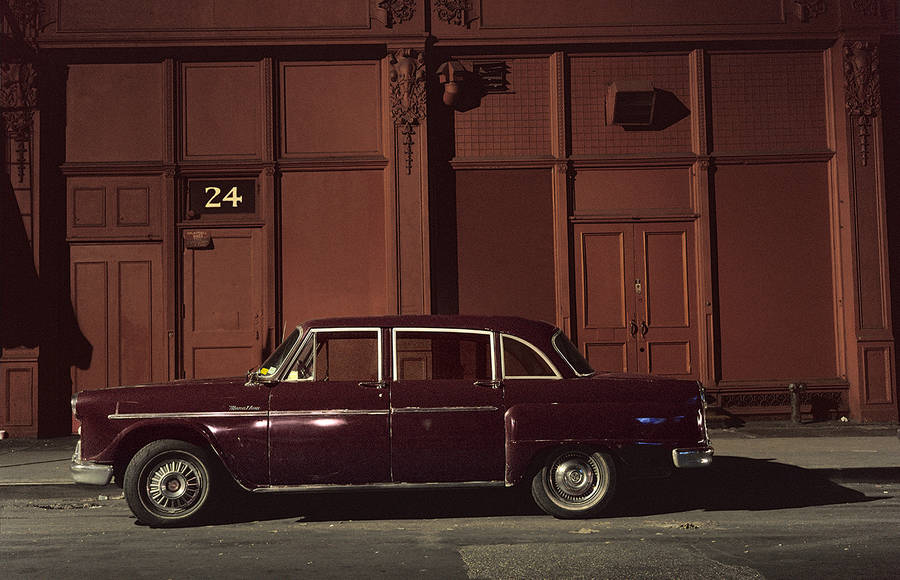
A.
x: 446, y: 407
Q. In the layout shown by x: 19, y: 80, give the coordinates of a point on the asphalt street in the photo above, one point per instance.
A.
x: 774, y: 505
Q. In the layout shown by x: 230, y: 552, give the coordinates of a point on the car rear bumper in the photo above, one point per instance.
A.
x: 692, y: 457
x: 88, y: 472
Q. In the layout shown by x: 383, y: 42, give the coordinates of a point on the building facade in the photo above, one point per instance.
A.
x: 707, y: 190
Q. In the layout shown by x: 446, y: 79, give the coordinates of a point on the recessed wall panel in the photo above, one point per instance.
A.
x: 222, y: 110
x: 115, y: 112
x: 775, y: 294
x: 334, y: 253
x: 505, y: 243
x: 331, y: 109
x: 626, y: 191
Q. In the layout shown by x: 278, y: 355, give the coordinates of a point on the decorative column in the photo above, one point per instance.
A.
x: 408, y: 180
x: 863, y: 231
x: 21, y: 328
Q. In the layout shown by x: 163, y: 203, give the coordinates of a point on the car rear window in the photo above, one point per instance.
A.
x: 573, y: 356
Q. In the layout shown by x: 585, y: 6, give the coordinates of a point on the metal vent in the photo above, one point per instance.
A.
x: 493, y: 76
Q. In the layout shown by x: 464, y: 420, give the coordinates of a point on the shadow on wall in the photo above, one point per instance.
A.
x: 24, y: 321
x: 33, y: 315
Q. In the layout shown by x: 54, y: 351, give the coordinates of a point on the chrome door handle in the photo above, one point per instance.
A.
x: 491, y: 384
x: 373, y: 384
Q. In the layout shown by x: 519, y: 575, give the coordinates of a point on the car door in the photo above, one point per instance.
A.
x: 329, y: 417
x: 446, y: 407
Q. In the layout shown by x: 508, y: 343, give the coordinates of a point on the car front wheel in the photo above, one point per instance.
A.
x: 575, y: 483
x: 169, y: 483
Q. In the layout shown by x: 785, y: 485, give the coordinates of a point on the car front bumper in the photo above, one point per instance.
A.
x: 88, y: 472
x: 692, y: 457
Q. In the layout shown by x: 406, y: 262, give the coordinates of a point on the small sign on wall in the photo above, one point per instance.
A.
x: 221, y: 196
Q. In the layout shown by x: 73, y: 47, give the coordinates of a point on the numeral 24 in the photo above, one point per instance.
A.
x: 231, y: 196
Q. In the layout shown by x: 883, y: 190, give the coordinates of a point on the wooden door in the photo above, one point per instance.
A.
x: 222, y: 327
x: 635, y: 294
x: 117, y: 295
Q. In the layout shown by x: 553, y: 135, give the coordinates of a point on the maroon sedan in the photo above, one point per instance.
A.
x: 393, y: 402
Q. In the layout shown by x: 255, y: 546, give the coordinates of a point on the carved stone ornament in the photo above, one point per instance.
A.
x: 396, y: 11
x: 407, y: 77
x: 806, y: 10
x: 454, y: 11
x: 863, y: 89
x: 866, y: 7
x: 18, y: 78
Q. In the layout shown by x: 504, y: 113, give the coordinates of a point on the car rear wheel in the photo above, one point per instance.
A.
x: 169, y: 483
x: 575, y: 483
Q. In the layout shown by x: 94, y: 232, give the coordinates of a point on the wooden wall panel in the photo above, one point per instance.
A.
x: 590, y: 77
x: 331, y: 109
x: 505, y: 243
x: 571, y: 13
x: 878, y: 374
x: 115, y: 112
x: 629, y: 192
x: 158, y: 15
x: 18, y: 395
x: 135, y: 322
x: 776, y: 302
x: 513, y: 124
x: 90, y: 299
x: 114, y: 207
x: 223, y: 111
x: 768, y: 103
x: 333, y: 245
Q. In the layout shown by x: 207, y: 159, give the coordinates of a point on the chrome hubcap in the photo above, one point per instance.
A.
x: 576, y: 478
x: 174, y: 485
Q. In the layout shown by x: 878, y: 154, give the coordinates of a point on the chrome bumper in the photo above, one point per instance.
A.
x: 692, y: 457
x: 88, y: 472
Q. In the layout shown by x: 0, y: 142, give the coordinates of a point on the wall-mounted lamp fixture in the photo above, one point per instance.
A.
x: 453, y: 75
x: 630, y: 104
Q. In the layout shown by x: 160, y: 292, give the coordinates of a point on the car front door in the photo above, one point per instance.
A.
x: 329, y: 417
x: 446, y: 407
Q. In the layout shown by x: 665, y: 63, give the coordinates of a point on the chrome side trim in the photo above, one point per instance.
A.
x: 327, y: 487
x: 442, y: 409
x: 329, y: 412
x: 188, y: 415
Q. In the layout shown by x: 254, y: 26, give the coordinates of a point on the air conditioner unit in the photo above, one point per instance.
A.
x: 630, y: 104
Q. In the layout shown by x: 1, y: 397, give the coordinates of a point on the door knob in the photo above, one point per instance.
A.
x: 634, y: 328
x: 644, y: 328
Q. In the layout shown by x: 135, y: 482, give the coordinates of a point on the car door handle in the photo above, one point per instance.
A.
x: 373, y: 384
x: 491, y: 384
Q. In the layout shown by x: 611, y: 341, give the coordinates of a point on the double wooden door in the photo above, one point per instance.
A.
x: 635, y: 288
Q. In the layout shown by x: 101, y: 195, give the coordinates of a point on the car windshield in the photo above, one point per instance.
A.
x: 573, y: 356
x: 277, y: 358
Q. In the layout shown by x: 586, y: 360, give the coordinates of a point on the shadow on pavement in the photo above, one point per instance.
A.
x: 732, y: 483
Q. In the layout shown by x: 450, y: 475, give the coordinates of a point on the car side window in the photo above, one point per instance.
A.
x: 443, y: 356
x: 338, y: 356
x: 521, y: 360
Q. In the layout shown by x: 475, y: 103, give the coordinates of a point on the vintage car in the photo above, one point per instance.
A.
x: 393, y: 402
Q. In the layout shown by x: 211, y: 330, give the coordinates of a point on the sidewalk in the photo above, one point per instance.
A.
x: 839, y: 450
